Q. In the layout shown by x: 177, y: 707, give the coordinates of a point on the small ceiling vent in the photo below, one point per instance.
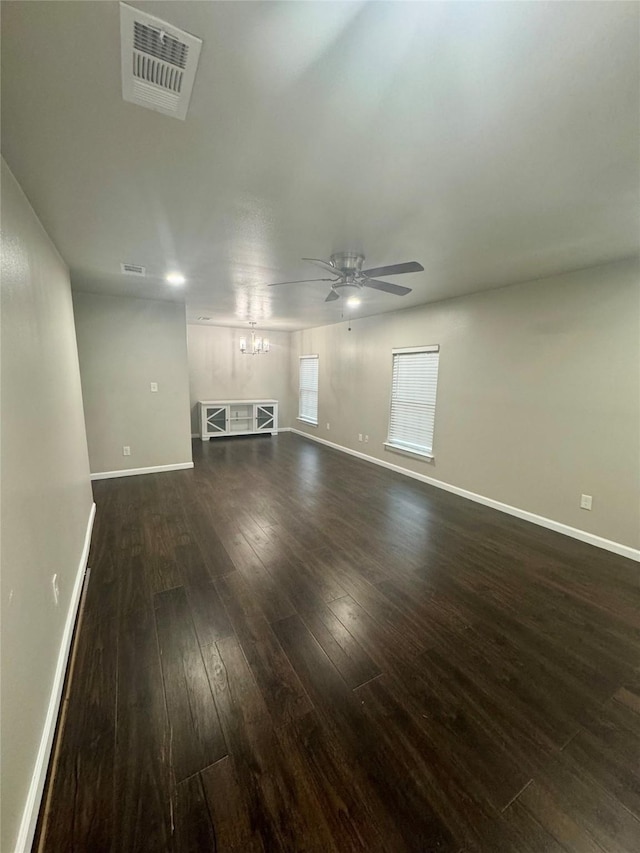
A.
x: 159, y: 63
x: 133, y: 269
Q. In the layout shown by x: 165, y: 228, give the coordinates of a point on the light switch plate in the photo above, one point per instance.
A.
x: 154, y: 387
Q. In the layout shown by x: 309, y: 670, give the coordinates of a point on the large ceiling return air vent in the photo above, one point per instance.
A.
x: 159, y: 62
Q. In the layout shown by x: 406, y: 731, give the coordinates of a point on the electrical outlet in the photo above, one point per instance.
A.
x: 328, y: 425
x: 585, y: 501
x: 154, y: 387
x: 366, y: 439
x: 359, y: 436
x: 126, y: 450
x: 56, y: 590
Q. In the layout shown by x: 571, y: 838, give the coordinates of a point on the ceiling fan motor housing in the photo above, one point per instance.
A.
x: 348, y: 263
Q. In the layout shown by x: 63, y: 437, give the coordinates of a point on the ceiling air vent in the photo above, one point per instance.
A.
x: 159, y: 63
x: 133, y: 269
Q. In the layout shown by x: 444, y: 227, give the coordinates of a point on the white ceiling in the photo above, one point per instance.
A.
x: 492, y: 142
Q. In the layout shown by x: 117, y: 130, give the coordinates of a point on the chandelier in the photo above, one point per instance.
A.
x: 257, y: 346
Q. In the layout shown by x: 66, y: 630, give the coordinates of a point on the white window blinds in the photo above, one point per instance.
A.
x: 308, y: 395
x: 413, y: 399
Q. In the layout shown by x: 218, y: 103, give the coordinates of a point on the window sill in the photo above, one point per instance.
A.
x: 309, y: 423
x: 418, y: 454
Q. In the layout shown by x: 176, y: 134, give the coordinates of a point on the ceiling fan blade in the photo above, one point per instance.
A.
x: 325, y: 265
x: 332, y: 296
x: 301, y: 281
x: 396, y: 289
x: 394, y: 269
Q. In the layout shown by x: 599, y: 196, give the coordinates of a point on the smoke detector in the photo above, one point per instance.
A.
x: 133, y: 269
x: 159, y: 62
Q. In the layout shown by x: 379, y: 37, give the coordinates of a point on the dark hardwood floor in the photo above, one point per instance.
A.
x: 287, y: 649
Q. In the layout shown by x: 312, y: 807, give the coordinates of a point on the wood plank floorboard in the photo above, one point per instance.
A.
x: 193, y: 825
x: 143, y: 783
x: 85, y: 775
x: 288, y: 649
x: 195, y: 733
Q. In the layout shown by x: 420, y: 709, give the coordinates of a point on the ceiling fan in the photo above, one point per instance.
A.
x: 349, y: 277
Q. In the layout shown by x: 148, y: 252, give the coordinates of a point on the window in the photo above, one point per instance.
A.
x: 413, y: 399
x: 308, y: 396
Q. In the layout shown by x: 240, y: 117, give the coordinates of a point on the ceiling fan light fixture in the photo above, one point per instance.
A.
x: 352, y: 301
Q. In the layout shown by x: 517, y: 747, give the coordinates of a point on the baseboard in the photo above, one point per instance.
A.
x: 540, y: 520
x: 131, y: 472
x: 34, y: 796
x: 280, y: 429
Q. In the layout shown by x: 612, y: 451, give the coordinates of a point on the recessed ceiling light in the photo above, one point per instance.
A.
x: 175, y: 278
x: 352, y: 301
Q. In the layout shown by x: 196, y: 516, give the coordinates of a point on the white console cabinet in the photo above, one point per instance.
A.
x: 237, y: 417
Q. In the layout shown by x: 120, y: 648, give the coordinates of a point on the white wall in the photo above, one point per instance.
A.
x: 218, y: 370
x: 124, y: 345
x: 538, y: 393
x: 45, y: 492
